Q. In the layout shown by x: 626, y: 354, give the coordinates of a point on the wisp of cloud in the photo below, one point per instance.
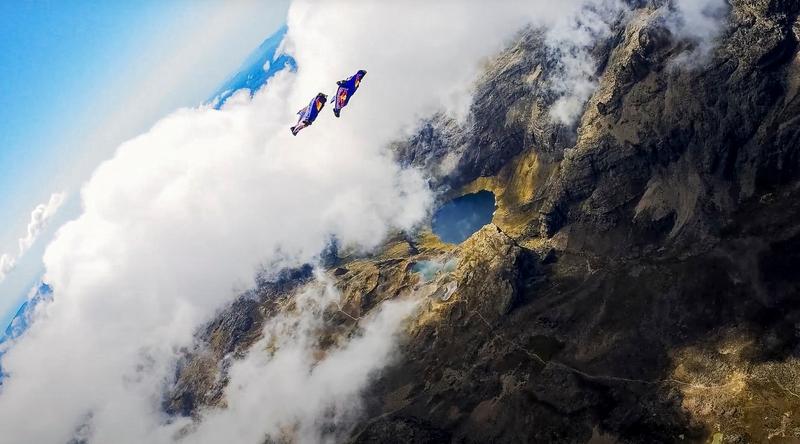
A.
x: 40, y: 217
x: 574, y: 35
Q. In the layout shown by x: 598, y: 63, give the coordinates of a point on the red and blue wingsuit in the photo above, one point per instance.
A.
x: 309, y: 114
x: 346, y: 90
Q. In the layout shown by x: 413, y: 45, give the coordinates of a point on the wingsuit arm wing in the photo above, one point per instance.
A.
x: 302, y: 111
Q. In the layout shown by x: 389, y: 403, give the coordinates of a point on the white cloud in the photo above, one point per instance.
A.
x: 7, y: 264
x: 700, y: 21
x: 185, y: 213
x: 40, y: 216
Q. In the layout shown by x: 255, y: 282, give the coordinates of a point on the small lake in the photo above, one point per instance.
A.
x: 429, y: 270
x: 458, y: 219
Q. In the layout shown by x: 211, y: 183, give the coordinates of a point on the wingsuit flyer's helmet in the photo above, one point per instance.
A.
x: 322, y: 97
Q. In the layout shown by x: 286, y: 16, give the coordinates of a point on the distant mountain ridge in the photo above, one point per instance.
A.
x: 23, y: 318
x: 266, y: 61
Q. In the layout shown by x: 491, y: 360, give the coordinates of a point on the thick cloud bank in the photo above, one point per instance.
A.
x: 40, y: 216
x: 184, y: 214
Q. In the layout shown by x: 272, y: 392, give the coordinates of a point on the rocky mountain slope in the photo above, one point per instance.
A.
x: 639, y: 282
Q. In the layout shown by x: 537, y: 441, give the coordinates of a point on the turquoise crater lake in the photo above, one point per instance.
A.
x: 456, y: 220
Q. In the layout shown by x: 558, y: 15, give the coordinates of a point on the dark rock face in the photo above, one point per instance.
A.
x: 411, y: 429
x: 509, y: 113
x: 509, y: 110
x: 435, y: 149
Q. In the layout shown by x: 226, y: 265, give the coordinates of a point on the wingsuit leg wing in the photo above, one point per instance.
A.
x: 300, y: 125
x: 309, y: 113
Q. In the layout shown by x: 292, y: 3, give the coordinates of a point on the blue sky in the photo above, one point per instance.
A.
x: 77, y: 78
x: 49, y: 54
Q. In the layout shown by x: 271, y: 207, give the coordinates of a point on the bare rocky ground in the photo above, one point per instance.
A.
x: 639, y: 283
